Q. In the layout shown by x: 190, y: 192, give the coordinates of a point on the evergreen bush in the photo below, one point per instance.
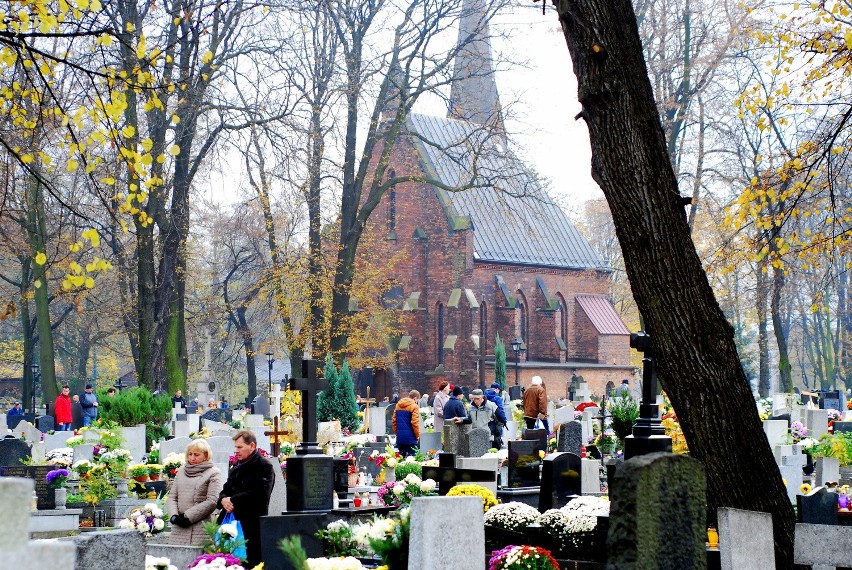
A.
x: 134, y: 406
x: 499, y: 362
x: 325, y: 399
x: 347, y: 406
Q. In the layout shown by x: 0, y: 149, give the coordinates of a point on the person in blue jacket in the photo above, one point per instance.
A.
x: 454, y: 409
x: 500, y: 420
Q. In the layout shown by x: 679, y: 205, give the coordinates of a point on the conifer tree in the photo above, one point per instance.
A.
x: 326, y: 399
x: 346, y: 406
x: 499, y: 362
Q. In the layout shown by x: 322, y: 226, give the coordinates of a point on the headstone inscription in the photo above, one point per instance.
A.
x: 524, y: 463
x: 560, y: 480
x: 830, y: 400
x: 217, y: 415
x: 38, y: 474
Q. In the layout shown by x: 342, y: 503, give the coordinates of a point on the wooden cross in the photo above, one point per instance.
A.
x: 275, y: 445
x: 368, y: 400
x: 310, y: 385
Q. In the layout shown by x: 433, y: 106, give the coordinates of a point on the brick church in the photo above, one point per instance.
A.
x: 497, y: 258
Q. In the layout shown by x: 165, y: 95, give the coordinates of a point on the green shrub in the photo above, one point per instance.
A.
x: 403, y: 468
x: 135, y: 406
x: 624, y: 411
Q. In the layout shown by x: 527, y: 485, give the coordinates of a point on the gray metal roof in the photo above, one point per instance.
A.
x: 513, y: 218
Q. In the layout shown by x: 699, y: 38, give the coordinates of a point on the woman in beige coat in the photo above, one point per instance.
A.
x: 193, y: 496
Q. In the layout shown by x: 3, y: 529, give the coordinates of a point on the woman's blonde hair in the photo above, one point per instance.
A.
x: 199, y: 445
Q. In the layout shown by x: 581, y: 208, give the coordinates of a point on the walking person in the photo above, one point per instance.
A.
x: 193, y: 495
x: 62, y: 409
x: 246, y: 492
x: 500, y: 419
x: 535, y: 404
x: 89, y: 403
x: 406, y: 424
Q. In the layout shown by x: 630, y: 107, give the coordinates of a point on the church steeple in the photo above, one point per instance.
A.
x: 473, y: 95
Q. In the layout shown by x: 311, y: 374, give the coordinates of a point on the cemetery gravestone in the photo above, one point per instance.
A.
x: 13, y: 421
x: 590, y: 476
x: 792, y: 474
x: 176, y: 445
x: 278, y: 498
x: 180, y: 428
x: 776, y: 432
x: 658, y: 513
x: 430, y: 441
x: 841, y: 427
x: 377, y: 421
x: 260, y: 405
x: 311, y: 486
x: 563, y: 414
x: 817, y: 423
x: 56, y: 440
x: 560, y: 480
x: 433, y: 545
x: 524, y: 463
x: 745, y: 540
x: 827, y: 470
x: 363, y: 462
x: 538, y: 435
x: 476, y: 443
x: 222, y: 447
x: 192, y: 408
x: 484, y: 464
x: 13, y: 450
x: 134, y: 441
x: 84, y: 451
x: 45, y: 423
x: 570, y: 437
x: 453, y: 434
x: 37, y: 473
x: 389, y: 410
x: 822, y: 547
x: 817, y: 507
x: 830, y: 400
x: 27, y: 431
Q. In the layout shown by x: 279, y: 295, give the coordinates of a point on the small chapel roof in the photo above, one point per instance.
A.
x: 512, y: 217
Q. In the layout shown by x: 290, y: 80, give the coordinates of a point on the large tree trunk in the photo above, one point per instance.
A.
x: 785, y: 368
x: 694, y: 344
x: 761, y: 301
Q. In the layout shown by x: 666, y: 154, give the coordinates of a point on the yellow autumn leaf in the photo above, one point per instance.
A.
x: 90, y: 283
x: 207, y: 57
x: 174, y: 150
x: 72, y: 165
x: 41, y: 258
x: 108, y: 180
x: 92, y: 235
x: 75, y: 247
x: 128, y: 131
x: 37, y: 283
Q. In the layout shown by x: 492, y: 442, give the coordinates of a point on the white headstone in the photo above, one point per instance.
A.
x: 176, y: 445
x: 218, y: 428
x: 3, y: 425
x: 459, y: 537
x: 15, y: 496
x: 377, y: 421
x: 582, y: 393
x: 745, y: 540
x: 563, y: 415
x: 56, y: 440
x: 590, y: 476
x: 134, y: 441
x: 776, y: 431
x: 84, y: 451
x: 276, y: 394
x: 194, y: 422
x: 253, y: 422
x: 792, y: 475
x: 278, y: 499
x: 181, y: 429
x: 781, y: 404
x: 826, y: 470
x: 222, y: 447
x: 27, y: 431
x: 816, y: 422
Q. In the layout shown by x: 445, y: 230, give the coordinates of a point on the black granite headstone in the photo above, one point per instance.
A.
x: 560, y: 480
x: 389, y: 418
x: 45, y: 423
x: 192, y: 408
x: 363, y: 462
x: 830, y: 400
x: 446, y: 475
x: 38, y: 473
x: 539, y: 435
x: 13, y: 421
x: 13, y: 450
x: 817, y: 507
x: 842, y: 427
x: 524, y: 463
x: 310, y: 482
x: 785, y: 417
x: 341, y: 476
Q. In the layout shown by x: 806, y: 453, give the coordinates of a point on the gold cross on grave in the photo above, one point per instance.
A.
x: 368, y: 400
x: 274, y: 433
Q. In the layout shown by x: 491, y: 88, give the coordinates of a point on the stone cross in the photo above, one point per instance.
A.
x: 310, y: 385
x: 276, y: 396
x: 368, y: 400
x: 273, y: 436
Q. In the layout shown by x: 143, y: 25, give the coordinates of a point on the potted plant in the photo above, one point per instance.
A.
x: 154, y: 470
x: 138, y: 472
x: 172, y: 463
x: 56, y: 479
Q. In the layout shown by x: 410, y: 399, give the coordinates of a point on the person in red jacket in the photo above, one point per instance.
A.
x: 62, y: 410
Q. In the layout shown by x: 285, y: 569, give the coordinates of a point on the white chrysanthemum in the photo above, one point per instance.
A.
x: 143, y: 527
x: 157, y: 512
x: 140, y: 519
x: 398, y: 489
x: 391, y: 462
x: 427, y: 486
x: 337, y: 525
x: 230, y: 529
x: 159, y: 524
x: 125, y: 523
x: 412, y: 479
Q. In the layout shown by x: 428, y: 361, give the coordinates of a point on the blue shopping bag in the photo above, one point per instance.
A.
x: 240, y: 540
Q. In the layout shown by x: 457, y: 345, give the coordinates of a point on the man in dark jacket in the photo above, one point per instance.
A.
x: 500, y: 420
x: 454, y: 409
x: 406, y: 424
x: 246, y: 492
x: 89, y: 403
